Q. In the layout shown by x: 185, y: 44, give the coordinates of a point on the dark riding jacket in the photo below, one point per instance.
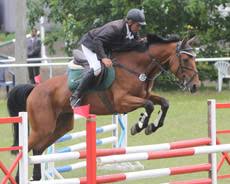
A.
x: 110, y: 37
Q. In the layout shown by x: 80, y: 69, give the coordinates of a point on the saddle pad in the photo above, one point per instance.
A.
x: 75, y: 76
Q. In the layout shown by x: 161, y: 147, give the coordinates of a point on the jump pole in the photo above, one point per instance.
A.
x: 23, y: 141
x: 152, y: 155
x: 120, y: 151
x: 22, y: 156
x: 212, y: 134
x: 118, y: 140
x: 225, y: 156
x: 91, y: 168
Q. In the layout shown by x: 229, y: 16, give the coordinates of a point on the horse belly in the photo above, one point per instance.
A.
x: 96, y: 105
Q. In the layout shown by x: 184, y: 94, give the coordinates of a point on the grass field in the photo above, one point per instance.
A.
x: 186, y: 119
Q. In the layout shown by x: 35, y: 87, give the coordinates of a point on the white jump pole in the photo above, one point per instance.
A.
x: 119, y: 120
x: 23, y: 141
x: 212, y: 135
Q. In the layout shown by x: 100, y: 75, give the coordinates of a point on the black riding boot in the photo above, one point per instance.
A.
x: 75, y: 99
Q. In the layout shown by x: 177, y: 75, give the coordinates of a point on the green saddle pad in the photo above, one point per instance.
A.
x: 75, y: 76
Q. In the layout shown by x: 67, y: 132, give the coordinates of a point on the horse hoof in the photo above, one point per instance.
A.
x: 150, y: 129
x: 17, y: 179
x: 133, y: 130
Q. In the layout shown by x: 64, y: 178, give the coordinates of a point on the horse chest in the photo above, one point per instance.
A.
x: 139, y: 90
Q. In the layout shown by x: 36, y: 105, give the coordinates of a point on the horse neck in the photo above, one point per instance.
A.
x: 163, y: 52
x: 134, y: 60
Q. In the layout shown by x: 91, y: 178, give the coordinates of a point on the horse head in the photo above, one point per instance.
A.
x: 184, y: 65
x: 179, y: 58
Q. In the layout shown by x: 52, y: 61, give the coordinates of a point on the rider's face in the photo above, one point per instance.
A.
x: 34, y: 33
x: 135, y: 27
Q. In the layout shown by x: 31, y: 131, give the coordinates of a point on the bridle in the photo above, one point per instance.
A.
x: 182, y: 68
x: 143, y: 77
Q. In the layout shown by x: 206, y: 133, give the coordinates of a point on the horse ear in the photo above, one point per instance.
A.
x: 192, y: 40
x: 183, y: 42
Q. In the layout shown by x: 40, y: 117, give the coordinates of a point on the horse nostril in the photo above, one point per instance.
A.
x: 194, y: 88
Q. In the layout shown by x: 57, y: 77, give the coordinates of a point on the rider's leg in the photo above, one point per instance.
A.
x: 95, y: 70
x: 75, y: 99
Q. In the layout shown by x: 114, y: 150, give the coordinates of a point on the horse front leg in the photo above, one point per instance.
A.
x: 159, y: 122
x: 144, y: 118
x: 128, y: 103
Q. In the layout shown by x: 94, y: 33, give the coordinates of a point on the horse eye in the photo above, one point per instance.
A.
x: 185, y: 60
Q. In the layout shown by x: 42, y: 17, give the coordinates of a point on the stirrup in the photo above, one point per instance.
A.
x: 75, y: 102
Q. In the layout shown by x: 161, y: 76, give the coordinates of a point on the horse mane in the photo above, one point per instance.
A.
x: 132, y: 46
x: 153, y: 38
x: 143, y: 46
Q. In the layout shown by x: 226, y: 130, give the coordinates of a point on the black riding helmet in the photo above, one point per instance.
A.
x: 136, y: 15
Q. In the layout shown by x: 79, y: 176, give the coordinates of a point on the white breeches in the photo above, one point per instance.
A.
x: 92, y: 60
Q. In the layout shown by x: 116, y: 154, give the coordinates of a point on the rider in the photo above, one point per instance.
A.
x: 99, y: 42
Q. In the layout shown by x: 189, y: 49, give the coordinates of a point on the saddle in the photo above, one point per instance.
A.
x: 79, y: 65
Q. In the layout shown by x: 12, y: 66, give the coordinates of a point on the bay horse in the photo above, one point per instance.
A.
x: 51, y: 116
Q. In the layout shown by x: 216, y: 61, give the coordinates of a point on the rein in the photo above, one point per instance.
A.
x: 141, y: 76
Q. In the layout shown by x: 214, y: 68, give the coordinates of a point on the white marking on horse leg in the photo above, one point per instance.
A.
x: 142, y: 119
x: 156, y: 122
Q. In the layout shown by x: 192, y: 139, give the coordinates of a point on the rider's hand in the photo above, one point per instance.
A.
x: 107, y: 62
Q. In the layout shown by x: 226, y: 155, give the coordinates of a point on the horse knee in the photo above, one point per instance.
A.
x: 149, y: 107
x: 69, y: 127
x: 165, y: 105
x: 46, y: 133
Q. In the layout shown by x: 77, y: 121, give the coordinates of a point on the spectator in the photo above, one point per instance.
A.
x: 33, y: 51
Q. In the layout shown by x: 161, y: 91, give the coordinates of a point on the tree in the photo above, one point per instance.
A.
x: 200, y: 17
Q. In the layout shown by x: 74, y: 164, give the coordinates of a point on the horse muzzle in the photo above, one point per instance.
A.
x: 193, y: 87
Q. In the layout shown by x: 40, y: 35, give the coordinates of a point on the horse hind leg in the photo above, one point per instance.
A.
x: 64, y: 125
x: 144, y: 118
x: 33, y: 139
x: 40, y: 139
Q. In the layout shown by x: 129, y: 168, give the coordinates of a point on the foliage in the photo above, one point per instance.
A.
x: 165, y: 83
x: 207, y: 71
x: 192, y: 17
x: 6, y: 37
x: 75, y: 17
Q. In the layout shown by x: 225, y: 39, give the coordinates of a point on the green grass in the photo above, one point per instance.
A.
x: 6, y: 37
x: 186, y: 119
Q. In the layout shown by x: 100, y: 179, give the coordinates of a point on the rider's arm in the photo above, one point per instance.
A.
x: 105, y: 37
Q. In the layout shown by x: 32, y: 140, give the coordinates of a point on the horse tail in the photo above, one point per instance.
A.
x: 16, y: 102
